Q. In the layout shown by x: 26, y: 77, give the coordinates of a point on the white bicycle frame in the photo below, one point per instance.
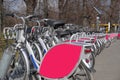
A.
x: 21, y: 39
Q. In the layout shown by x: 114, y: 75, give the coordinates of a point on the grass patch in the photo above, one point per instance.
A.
x: 3, y: 43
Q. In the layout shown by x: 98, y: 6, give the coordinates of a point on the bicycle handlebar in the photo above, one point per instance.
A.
x: 12, y: 15
x: 22, y: 17
x: 27, y: 17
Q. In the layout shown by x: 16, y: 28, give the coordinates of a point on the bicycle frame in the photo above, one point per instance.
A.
x: 20, y: 32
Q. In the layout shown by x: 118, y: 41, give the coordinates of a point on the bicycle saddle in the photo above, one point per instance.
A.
x: 62, y: 33
x: 73, y: 31
x: 55, y: 23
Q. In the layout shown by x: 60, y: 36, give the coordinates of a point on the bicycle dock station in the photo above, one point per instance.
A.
x: 59, y: 39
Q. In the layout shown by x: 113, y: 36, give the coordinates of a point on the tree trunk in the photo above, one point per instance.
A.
x: 84, y: 13
x: 45, y: 8
x: 30, y: 6
x: 1, y: 18
x: 60, y: 8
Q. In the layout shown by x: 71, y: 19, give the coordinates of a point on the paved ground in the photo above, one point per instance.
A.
x: 108, y: 63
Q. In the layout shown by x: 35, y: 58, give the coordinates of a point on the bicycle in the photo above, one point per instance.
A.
x: 24, y: 50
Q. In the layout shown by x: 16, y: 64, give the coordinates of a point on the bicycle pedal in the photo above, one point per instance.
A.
x: 33, y: 71
x: 93, y: 70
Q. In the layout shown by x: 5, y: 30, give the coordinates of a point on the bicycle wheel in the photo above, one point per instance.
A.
x: 19, y: 66
x: 82, y: 73
x: 98, y: 46
x: 37, y: 51
x: 95, y: 49
x: 108, y: 43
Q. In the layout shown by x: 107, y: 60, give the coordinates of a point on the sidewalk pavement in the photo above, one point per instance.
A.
x: 107, y: 64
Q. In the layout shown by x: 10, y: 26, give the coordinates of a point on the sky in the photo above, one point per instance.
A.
x: 105, y: 2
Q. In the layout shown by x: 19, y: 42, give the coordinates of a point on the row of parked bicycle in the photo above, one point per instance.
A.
x: 51, y: 50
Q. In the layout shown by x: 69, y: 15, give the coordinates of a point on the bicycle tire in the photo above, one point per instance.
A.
x: 19, y: 68
x: 37, y: 51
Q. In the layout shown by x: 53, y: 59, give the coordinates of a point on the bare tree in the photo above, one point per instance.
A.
x: 74, y: 11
